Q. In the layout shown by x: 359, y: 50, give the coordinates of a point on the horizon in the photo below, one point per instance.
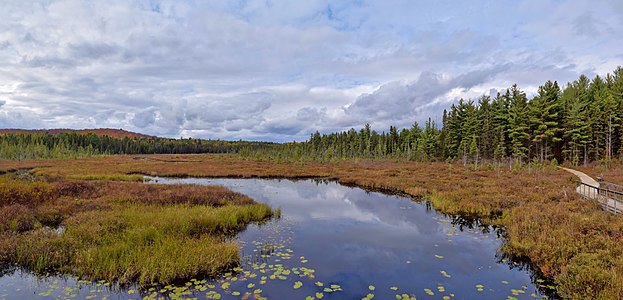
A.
x: 279, y: 71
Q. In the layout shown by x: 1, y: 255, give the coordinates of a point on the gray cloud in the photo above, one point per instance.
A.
x: 144, y: 118
x: 586, y: 25
x: 281, y: 70
x: 311, y: 114
x: 284, y: 127
x: 402, y: 103
x: 18, y: 118
x: 239, y: 107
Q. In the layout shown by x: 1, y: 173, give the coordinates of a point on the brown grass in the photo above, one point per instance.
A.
x: 122, y: 231
x: 568, y: 239
x: 613, y: 174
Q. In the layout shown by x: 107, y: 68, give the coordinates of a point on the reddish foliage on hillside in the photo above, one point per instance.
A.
x: 117, y: 133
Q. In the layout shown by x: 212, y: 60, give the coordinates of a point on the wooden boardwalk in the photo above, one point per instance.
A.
x: 608, y: 195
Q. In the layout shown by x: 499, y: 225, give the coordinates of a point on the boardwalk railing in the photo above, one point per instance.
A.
x: 608, y: 195
x: 611, y: 186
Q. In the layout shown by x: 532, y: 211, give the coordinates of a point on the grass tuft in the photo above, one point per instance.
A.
x: 123, y: 231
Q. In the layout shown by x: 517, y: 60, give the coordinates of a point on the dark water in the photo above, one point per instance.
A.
x: 336, y: 242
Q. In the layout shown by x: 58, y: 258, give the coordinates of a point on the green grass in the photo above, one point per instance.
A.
x: 122, y: 231
x: 148, y: 244
x: 23, y: 192
x: 111, y: 177
x: 446, y: 205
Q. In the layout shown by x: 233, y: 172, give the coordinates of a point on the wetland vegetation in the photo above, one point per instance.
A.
x: 566, y: 239
x: 123, y: 231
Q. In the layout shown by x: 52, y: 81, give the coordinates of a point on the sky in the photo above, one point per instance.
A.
x: 280, y: 70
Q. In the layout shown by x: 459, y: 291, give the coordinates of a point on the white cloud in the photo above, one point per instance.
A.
x: 280, y: 70
x: 401, y: 103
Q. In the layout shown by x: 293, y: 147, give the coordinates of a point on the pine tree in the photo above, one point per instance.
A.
x: 427, y: 145
x: 616, y: 89
x: 416, y: 133
x: 455, y: 121
x: 500, y: 110
x: 545, y: 120
x: 598, y: 126
x: 518, y: 123
x: 469, y: 131
x: 612, y: 122
x: 473, y: 150
x: 488, y: 136
x: 443, y: 136
x: 500, y: 150
x: 576, y: 135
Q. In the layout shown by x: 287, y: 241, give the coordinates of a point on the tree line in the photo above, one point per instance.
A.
x: 23, y: 146
x: 579, y: 123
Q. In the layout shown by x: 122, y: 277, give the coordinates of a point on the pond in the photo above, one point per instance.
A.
x: 335, y: 242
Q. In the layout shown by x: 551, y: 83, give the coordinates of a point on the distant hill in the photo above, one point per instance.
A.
x: 116, y: 133
x: 21, y: 144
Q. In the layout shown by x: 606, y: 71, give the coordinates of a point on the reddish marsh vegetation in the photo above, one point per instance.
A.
x: 123, y: 231
x: 613, y: 174
x: 566, y: 238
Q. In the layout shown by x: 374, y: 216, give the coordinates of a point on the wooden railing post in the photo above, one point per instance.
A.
x: 608, y: 195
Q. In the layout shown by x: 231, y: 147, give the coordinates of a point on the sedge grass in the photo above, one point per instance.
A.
x: 571, y: 241
x: 147, y: 244
x: 123, y: 231
x: 111, y: 177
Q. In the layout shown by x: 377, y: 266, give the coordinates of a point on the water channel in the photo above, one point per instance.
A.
x: 335, y: 242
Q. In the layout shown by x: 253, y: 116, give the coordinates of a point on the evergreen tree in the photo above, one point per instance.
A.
x: 488, y: 135
x: 576, y: 135
x: 500, y: 149
x: 469, y: 132
x: 545, y: 120
x: 416, y: 134
x: 616, y: 89
x: 500, y: 109
x: 518, y: 123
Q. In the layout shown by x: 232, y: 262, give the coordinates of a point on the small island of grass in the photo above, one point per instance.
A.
x: 122, y: 232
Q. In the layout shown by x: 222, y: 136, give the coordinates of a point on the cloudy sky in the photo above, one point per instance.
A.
x: 279, y: 70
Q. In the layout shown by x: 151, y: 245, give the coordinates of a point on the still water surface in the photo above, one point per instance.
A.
x: 336, y: 242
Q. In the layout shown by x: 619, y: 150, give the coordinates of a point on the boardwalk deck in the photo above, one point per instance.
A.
x: 610, y: 200
x: 608, y: 195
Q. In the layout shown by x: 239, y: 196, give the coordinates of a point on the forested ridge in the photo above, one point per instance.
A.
x: 117, y: 133
x: 580, y: 122
x: 22, y: 146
